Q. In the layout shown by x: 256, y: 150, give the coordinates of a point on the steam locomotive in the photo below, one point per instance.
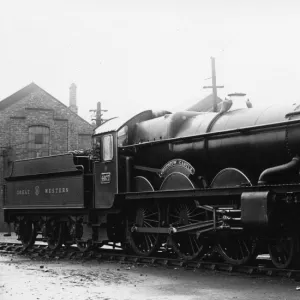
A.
x: 186, y: 181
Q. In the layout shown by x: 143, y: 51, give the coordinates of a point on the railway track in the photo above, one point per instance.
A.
x: 262, y: 266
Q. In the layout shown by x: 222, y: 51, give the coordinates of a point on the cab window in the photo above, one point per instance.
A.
x: 107, y: 147
x: 97, y: 147
x: 123, y: 136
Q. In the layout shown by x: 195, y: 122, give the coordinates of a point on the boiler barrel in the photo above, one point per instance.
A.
x: 250, y: 151
x: 245, y: 147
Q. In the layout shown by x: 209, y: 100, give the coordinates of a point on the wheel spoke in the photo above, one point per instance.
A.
x: 147, y: 242
x: 196, y: 243
x: 191, y: 243
x: 146, y: 224
x: 283, y: 251
x: 187, y: 246
x: 241, y: 248
x: 285, y: 257
x: 198, y: 214
x: 144, y: 243
x: 174, y: 216
x: 151, y: 220
x: 193, y: 209
x: 150, y: 238
x: 149, y: 215
x: 247, y: 247
x: 236, y: 250
x: 191, y: 221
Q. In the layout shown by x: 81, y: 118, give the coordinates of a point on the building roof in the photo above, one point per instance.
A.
x: 12, y: 99
x: 25, y: 91
x: 205, y: 104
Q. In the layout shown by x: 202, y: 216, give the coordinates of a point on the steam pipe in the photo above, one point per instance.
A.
x: 274, y: 174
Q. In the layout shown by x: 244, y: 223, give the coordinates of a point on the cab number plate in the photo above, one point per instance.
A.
x: 105, y: 178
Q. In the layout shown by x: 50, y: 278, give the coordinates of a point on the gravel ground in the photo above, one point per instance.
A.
x: 23, y: 278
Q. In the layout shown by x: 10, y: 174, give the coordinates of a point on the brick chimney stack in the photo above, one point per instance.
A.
x: 72, y: 98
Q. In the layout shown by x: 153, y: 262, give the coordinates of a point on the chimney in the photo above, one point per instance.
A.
x: 72, y: 98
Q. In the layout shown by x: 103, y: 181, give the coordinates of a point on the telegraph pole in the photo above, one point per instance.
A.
x: 214, y: 85
x: 99, y: 114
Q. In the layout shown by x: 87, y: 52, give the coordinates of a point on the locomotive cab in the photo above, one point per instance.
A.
x: 107, y: 138
x: 112, y: 170
x: 106, y: 179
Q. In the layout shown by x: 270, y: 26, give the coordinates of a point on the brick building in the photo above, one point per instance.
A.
x: 33, y: 123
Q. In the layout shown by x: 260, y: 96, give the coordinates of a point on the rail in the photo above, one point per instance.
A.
x: 262, y: 265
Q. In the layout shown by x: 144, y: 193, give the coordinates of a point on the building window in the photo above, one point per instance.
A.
x: 39, y: 139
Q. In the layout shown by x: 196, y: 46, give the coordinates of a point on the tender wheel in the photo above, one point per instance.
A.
x: 55, y: 235
x: 283, y: 252
x: 68, y: 229
x: 144, y: 244
x: 85, y: 246
x: 187, y: 245
x: 236, y: 249
x: 27, y: 233
x: 68, y: 245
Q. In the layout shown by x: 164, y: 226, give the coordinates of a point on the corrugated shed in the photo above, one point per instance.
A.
x: 205, y: 104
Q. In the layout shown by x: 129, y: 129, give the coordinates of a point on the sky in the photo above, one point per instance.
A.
x: 134, y: 55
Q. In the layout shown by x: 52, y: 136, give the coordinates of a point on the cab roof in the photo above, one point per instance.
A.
x: 115, y: 124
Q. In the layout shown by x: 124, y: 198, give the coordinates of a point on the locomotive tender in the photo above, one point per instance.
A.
x: 188, y: 181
